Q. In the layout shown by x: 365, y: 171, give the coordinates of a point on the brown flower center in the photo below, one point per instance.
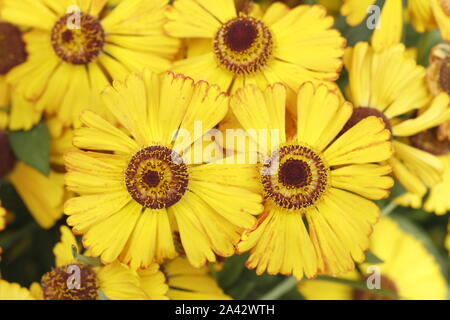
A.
x: 12, y: 47
x: 385, y: 283
x: 444, y: 75
x: 361, y: 113
x: 70, y: 282
x: 243, y: 45
x: 294, y: 177
x: 7, y: 158
x: 294, y: 174
x: 435, y: 141
x: 77, y: 40
x: 156, y: 177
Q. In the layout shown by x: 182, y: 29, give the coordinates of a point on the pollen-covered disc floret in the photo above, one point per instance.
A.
x: 12, y: 48
x: 70, y: 282
x: 243, y: 45
x: 156, y: 177
x: 77, y: 40
x: 294, y: 177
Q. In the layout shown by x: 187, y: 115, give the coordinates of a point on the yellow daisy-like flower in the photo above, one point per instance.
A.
x: 75, y: 280
x: 389, y: 85
x: 75, y: 49
x: 139, y: 186
x: 408, y: 270
x: 184, y: 282
x: 43, y: 196
x: 235, y: 48
x: 13, y: 291
x: 323, y: 177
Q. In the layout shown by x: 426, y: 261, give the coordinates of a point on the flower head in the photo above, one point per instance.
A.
x: 317, y: 185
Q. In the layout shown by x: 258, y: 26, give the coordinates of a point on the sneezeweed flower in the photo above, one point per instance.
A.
x: 13, y: 291
x: 408, y: 270
x: 114, y: 281
x: 42, y: 195
x: 77, y: 47
x: 435, y: 140
x: 184, y: 282
x: 393, y: 96
x: 235, y: 48
x: 318, y: 178
x: 137, y: 186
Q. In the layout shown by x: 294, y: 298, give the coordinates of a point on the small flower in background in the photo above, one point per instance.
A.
x: 391, y: 95
x: 407, y: 270
x: 85, y: 278
x: 231, y: 48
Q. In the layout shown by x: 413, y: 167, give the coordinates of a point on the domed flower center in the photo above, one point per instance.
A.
x: 243, y: 45
x: 435, y: 141
x: 294, y: 174
x: 385, y: 284
x: 12, y: 48
x: 444, y: 75
x: 70, y: 282
x: 7, y: 158
x: 445, y: 5
x: 294, y: 177
x: 361, y: 113
x: 77, y: 41
x: 156, y: 177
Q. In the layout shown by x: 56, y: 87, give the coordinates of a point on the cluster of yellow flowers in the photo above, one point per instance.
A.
x: 186, y: 132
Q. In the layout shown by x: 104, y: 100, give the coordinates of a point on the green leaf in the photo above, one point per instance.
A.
x: 32, y: 147
x: 371, y: 258
x: 231, y: 271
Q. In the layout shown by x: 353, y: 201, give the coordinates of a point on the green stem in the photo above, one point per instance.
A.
x: 284, y: 287
x: 388, y: 209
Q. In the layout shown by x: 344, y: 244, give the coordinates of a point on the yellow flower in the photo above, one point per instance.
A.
x: 390, y: 85
x: 231, y: 48
x: 2, y: 217
x: 184, y: 281
x: 114, y: 281
x: 408, y: 270
x: 73, y: 56
x: 13, y: 291
x: 322, y: 177
x: 137, y: 186
x: 15, y: 112
x: 43, y: 196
